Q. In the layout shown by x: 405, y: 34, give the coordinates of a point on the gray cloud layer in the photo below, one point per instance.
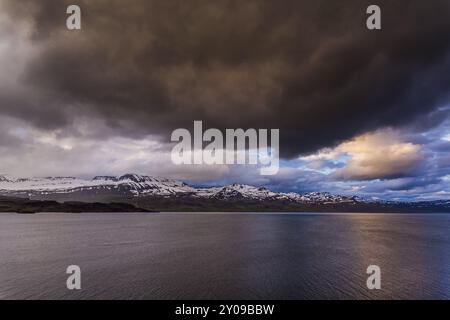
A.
x: 310, y: 68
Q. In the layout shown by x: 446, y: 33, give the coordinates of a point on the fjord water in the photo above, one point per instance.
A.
x: 224, y: 256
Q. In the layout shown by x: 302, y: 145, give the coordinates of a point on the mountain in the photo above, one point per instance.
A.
x: 162, y: 194
x: 129, y: 183
x: 132, y: 185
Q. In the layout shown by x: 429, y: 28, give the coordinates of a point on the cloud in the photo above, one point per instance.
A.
x: 29, y: 151
x: 378, y: 155
x: 309, y: 68
x: 105, y: 100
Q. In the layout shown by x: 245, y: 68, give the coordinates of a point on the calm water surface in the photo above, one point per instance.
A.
x: 224, y: 256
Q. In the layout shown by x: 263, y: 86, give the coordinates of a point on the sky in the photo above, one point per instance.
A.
x: 359, y: 112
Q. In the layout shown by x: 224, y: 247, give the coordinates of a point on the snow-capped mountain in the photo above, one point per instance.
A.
x: 135, y: 185
x: 162, y: 194
x: 130, y: 183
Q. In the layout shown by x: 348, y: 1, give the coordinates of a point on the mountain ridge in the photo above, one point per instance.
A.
x: 143, y: 185
x: 164, y: 194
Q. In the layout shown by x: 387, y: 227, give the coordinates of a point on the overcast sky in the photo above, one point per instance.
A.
x: 359, y: 112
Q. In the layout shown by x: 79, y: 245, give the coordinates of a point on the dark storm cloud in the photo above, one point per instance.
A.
x: 310, y: 68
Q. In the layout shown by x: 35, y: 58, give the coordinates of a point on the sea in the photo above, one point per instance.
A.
x: 225, y: 255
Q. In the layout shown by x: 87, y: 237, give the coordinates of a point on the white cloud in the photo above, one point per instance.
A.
x: 378, y: 155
